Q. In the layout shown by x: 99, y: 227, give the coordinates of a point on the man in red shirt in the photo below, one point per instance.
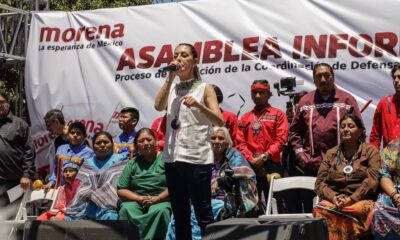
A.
x: 265, y: 131
x: 386, y: 123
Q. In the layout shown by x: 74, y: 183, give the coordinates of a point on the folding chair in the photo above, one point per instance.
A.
x: 38, y: 201
x: 289, y: 183
x: 31, y: 199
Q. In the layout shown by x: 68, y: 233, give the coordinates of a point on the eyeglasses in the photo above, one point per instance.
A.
x: 326, y: 75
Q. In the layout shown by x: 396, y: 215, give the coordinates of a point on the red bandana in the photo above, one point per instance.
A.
x: 259, y: 86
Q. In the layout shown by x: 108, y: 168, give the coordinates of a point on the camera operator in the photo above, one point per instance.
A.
x: 265, y: 130
x: 298, y: 200
x: 288, y: 155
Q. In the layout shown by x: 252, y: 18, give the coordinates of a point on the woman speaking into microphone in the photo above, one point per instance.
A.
x: 192, y: 109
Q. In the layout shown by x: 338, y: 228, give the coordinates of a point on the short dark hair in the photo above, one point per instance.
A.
x: 77, y: 125
x: 56, y: 114
x: 261, y: 81
x: 105, y: 133
x: 133, y: 111
x: 5, y: 95
x: 323, y: 65
x: 218, y: 92
x: 394, y: 69
x: 141, y: 131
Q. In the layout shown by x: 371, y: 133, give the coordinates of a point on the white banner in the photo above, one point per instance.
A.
x: 93, y: 63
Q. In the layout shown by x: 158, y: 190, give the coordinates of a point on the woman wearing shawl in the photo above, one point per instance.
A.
x: 143, y: 189
x: 229, y: 167
x: 386, y: 220
x: 347, y: 181
x: 96, y: 196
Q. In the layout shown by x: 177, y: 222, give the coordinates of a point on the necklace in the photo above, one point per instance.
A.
x: 348, y: 169
x: 256, y: 126
x: 182, y: 89
x: 175, y: 123
x: 221, y: 169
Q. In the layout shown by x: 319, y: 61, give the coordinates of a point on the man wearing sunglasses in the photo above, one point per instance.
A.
x: 315, y: 127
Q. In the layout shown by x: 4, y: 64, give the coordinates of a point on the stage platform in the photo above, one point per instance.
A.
x: 230, y: 229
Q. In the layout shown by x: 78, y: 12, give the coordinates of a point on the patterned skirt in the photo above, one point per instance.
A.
x: 348, y: 223
x: 386, y: 220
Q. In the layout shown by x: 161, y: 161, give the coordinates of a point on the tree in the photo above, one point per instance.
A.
x: 74, y: 5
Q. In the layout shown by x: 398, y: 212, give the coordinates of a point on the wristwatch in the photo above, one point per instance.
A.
x: 265, y: 156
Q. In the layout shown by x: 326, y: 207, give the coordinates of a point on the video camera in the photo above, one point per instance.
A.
x: 287, y: 84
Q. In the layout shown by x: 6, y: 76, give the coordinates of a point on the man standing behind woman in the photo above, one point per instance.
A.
x: 127, y: 121
x: 192, y: 108
x: 265, y: 130
x: 315, y: 126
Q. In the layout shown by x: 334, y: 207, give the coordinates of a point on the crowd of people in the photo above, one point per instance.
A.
x: 198, y: 163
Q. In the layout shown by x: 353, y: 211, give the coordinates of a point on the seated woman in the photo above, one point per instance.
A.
x: 96, y: 197
x: 143, y: 189
x: 75, y: 151
x: 386, y: 219
x: 347, y: 181
x: 230, y: 169
x: 65, y: 193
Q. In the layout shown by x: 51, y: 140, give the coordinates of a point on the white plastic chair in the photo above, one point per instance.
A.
x: 31, y: 198
x: 282, y: 184
x: 38, y: 198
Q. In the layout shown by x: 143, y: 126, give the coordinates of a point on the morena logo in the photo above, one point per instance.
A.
x: 45, y: 139
x: 55, y: 34
x: 90, y: 125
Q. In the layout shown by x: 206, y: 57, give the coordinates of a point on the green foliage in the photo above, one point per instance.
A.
x: 9, y: 81
x: 10, y: 71
x: 74, y: 5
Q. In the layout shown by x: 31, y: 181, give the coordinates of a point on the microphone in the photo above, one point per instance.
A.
x: 169, y: 68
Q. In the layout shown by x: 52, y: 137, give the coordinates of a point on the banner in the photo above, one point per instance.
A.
x: 93, y: 63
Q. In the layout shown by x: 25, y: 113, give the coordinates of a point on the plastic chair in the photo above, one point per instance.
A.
x: 38, y: 201
x: 33, y: 200
x: 282, y: 184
